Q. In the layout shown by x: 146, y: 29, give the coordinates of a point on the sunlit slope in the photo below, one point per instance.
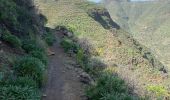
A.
x: 149, y: 23
x: 114, y: 47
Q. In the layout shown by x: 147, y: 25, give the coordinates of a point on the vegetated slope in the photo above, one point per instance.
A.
x: 23, y: 57
x: 114, y: 47
x: 148, y: 22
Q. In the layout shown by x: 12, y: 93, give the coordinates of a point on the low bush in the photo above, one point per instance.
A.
x: 34, y: 50
x: 69, y: 45
x: 30, y: 67
x: 12, y: 92
x: 40, y: 55
x: 108, y: 87
x: 31, y: 45
x: 11, y: 39
x: 22, y: 88
x: 49, y: 38
x: 158, y: 91
x: 20, y: 81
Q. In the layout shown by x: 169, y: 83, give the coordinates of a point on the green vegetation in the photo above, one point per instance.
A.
x: 21, y: 88
x: 69, y: 46
x: 10, y: 92
x: 35, y: 50
x: 30, y: 66
x: 108, y: 87
x: 23, y: 57
x: 49, y: 38
x: 158, y: 91
x: 11, y: 39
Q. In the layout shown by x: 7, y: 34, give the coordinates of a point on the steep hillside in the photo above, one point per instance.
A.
x: 148, y: 22
x: 23, y: 56
x: 108, y: 43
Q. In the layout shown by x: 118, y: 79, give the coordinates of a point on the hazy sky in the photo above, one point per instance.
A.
x: 95, y: 0
x: 131, y: 0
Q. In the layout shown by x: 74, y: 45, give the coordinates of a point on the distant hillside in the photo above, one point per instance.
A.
x: 148, y: 22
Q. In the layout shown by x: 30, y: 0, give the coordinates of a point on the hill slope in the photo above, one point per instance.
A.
x: 148, y: 22
x: 112, y: 46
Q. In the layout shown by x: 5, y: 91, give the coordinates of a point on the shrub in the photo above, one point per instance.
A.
x: 20, y: 81
x: 31, y: 45
x: 30, y: 67
x: 49, y: 38
x: 40, y: 55
x: 69, y: 45
x: 11, y: 39
x: 108, y: 87
x: 158, y: 91
x: 12, y: 92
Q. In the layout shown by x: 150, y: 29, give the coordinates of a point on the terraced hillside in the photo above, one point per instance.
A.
x: 111, y: 45
x: 148, y: 22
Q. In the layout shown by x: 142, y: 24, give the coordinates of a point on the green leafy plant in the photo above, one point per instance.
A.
x: 11, y: 39
x: 30, y: 67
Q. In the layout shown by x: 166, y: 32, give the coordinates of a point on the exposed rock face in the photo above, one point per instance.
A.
x: 102, y: 16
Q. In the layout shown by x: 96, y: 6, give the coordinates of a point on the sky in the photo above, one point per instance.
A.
x: 95, y: 1
x: 131, y: 0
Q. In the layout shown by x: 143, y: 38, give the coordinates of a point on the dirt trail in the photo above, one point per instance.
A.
x: 63, y: 79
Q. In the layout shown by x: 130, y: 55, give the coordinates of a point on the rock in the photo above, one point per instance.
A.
x: 44, y: 95
x: 68, y: 34
x: 85, y: 78
x: 50, y: 53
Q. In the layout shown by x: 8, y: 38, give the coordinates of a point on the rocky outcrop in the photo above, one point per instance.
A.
x: 102, y: 16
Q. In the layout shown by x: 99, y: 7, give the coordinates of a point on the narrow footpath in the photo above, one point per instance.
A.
x: 63, y: 78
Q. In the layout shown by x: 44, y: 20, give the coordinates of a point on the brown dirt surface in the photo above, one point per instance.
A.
x: 63, y: 78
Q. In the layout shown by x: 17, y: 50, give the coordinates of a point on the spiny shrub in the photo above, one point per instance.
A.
x: 30, y: 67
x: 11, y: 39
x: 108, y: 87
x: 12, y: 92
x: 69, y: 45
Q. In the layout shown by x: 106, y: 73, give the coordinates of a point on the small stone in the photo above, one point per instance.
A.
x: 85, y: 78
x: 50, y: 53
x: 44, y: 95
